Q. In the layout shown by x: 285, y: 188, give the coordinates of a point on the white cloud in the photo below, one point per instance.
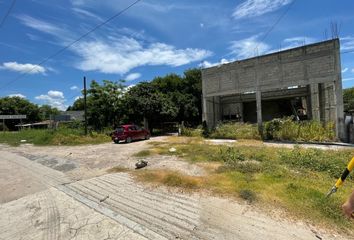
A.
x: 296, y: 42
x: 348, y: 79
x: 54, y: 99
x: 17, y: 95
x: 124, y: 54
x: 74, y: 88
x: 206, y: 64
x: 347, y: 43
x: 345, y: 70
x: 116, y: 53
x: 248, y: 47
x: 254, y: 8
x: 23, y: 68
x: 60, y: 32
x: 353, y: 70
x: 132, y: 76
x: 86, y: 14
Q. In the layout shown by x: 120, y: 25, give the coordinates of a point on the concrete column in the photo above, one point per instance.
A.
x: 259, y: 111
x: 315, y: 102
x: 338, y: 93
x: 205, y: 111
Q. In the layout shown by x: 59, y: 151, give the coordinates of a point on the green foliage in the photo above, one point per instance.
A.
x: 46, y: 112
x: 19, y: 106
x: 78, y: 105
x: 248, y: 195
x: 235, y: 131
x: 287, y: 129
x: 61, y: 136
x: 192, y: 132
x: 104, y: 103
x: 315, y: 160
x: 348, y: 99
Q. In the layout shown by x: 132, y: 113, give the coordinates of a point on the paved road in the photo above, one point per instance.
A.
x: 113, y: 206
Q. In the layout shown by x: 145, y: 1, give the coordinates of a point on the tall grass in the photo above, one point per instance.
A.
x: 61, y: 136
x: 287, y: 129
x: 236, y: 131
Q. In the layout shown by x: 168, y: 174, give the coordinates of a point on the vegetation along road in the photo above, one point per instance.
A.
x: 93, y: 192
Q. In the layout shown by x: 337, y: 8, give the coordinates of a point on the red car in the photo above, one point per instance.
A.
x: 129, y: 133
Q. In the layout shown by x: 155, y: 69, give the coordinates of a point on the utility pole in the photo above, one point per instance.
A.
x: 85, y: 106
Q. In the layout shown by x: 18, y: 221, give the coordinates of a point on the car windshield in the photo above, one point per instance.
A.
x: 120, y: 129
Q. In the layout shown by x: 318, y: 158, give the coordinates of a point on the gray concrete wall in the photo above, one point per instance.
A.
x: 316, y: 66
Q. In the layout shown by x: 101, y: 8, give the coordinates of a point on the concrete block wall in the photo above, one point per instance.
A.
x: 315, y: 65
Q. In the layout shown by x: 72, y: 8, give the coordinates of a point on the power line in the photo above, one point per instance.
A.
x: 275, y: 23
x: 7, y: 13
x: 70, y: 44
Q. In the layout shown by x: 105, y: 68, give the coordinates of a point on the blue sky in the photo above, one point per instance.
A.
x: 153, y: 38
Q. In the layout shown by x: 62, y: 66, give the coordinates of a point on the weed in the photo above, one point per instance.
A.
x: 61, y: 136
x: 248, y: 195
x: 235, y: 131
x: 295, y: 179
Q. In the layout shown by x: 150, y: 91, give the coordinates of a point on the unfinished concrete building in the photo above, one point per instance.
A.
x: 304, y: 82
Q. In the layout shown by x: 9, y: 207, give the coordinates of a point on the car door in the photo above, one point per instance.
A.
x: 133, y: 132
x: 140, y: 132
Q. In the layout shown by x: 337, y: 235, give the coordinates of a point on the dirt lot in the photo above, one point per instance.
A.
x: 66, y: 193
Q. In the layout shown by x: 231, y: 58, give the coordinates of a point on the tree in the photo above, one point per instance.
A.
x: 78, y: 105
x: 348, y: 99
x: 19, y: 106
x: 145, y: 101
x: 104, y: 103
x: 46, y: 112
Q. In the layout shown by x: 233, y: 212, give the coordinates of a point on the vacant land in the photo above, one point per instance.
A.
x: 77, y: 192
x: 294, y: 180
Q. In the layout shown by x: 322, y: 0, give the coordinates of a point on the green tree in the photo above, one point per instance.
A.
x: 348, y: 99
x: 104, y: 103
x: 145, y: 101
x: 78, y: 105
x: 46, y: 112
x: 19, y: 106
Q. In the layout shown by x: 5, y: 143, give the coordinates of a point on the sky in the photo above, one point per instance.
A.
x: 152, y: 38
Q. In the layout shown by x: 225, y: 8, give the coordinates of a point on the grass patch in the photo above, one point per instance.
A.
x: 295, y: 180
x: 170, y: 178
x: 235, y: 131
x: 143, y: 153
x: 61, y: 136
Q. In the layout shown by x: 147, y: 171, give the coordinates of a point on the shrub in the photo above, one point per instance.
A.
x: 192, y: 132
x: 287, y: 129
x: 248, y: 195
x: 236, y: 131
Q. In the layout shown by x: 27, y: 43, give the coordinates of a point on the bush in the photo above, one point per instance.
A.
x: 236, y: 131
x: 192, y: 132
x: 287, y: 129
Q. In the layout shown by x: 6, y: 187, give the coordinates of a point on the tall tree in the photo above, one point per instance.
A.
x: 104, y: 103
x: 145, y: 101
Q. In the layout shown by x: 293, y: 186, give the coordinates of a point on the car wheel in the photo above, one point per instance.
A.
x: 116, y: 141
x: 128, y: 140
x: 147, y: 137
